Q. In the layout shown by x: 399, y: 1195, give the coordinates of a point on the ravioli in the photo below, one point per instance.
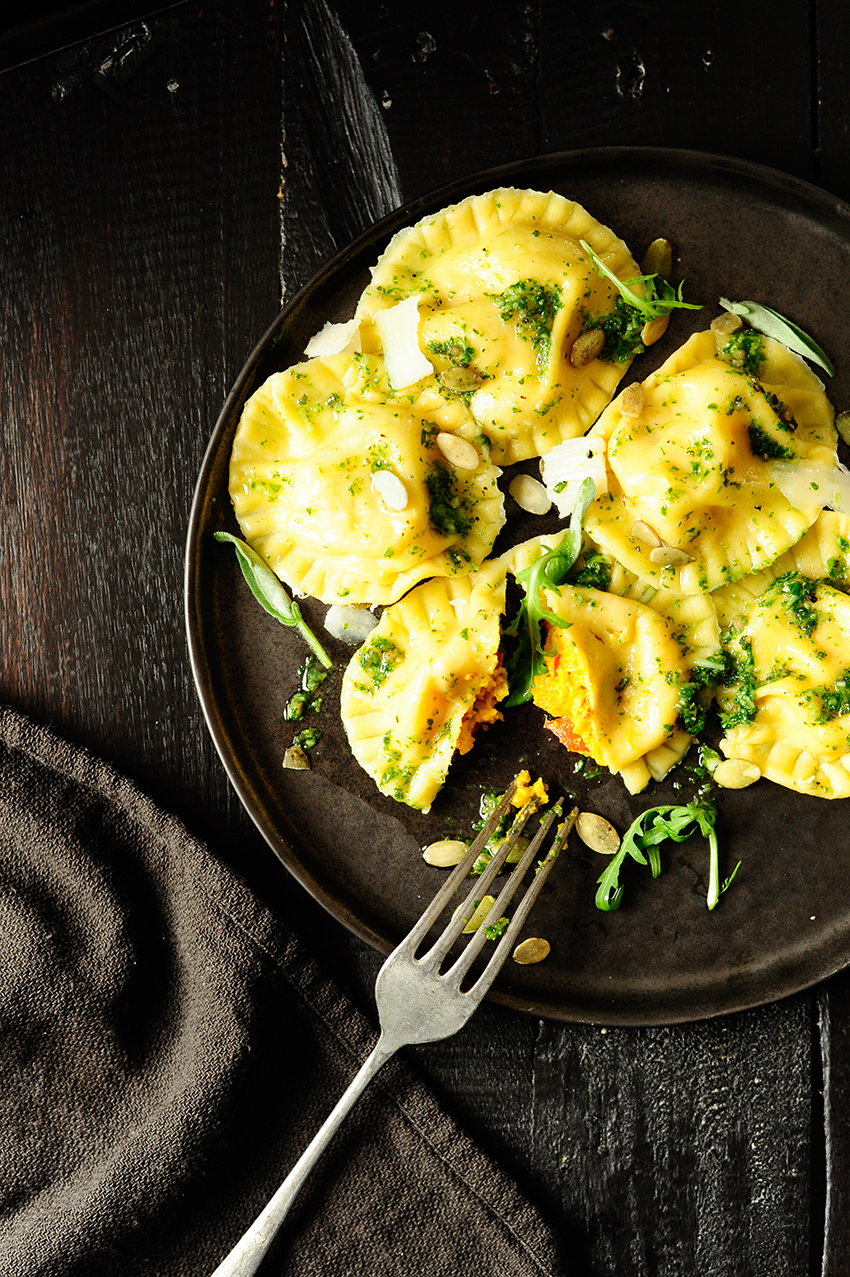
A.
x: 612, y: 679
x: 786, y: 706
x: 423, y: 682
x: 505, y: 289
x: 343, y: 489
x: 693, y: 502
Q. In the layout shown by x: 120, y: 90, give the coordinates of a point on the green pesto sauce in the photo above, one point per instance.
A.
x: 459, y: 353
x: 449, y: 512
x: 534, y: 307
x: 622, y: 329
x: 740, y: 672
x: 745, y: 349
x: 764, y: 445
x: 378, y: 657
x: 798, y: 593
x: 832, y: 701
x: 594, y: 571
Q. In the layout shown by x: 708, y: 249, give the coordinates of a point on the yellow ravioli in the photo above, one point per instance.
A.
x: 410, y: 693
x: 504, y: 288
x: 693, y: 502
x: 792, y: 645
x: 342, y: 487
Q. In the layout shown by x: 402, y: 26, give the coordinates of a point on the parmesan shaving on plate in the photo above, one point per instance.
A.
x: 352, y: 625
x: 398, y: 329
x: 564, y: 469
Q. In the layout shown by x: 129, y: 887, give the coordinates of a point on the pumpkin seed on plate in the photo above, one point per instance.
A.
x: 597, y: 833
x: 534, y: 949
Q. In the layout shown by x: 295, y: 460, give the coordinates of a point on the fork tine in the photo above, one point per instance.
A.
x: 437, y: 905
x: 523, y: 909
x: 463, y: 912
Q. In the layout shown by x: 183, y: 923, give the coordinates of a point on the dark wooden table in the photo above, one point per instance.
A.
x: 164, y: 183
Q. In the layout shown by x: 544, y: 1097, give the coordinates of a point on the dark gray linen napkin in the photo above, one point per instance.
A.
x: 168, y: 1048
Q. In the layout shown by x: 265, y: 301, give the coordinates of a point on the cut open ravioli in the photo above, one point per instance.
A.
x: 693, y: 501
x: 423, y: 682
x: 612, y: 682
x: 504, y: 290
x: 342, y: 488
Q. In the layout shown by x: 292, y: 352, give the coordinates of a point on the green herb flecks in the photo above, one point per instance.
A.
x: 271, y: 595
x: 764, y: 445
x: 449, y: 512
x: 642, y: 842
x: 745, y: 350
x: 526, y: 660
x: 799, y: 594
x: 534, y: 306
x: 660, y: 298
x: 622, y: 328
x: 833, y: 701
x: 740, y: 674
x: 772, y: 324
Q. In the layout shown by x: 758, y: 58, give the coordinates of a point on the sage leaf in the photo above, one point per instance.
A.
x: 271, y: 595
x: 772, y: 324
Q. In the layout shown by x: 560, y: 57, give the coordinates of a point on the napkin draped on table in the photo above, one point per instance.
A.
x: 167, y: 1049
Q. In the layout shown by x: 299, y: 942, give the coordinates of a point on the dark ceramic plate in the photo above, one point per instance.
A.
x: 739, y: 231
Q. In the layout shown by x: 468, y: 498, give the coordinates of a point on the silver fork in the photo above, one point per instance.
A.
x: 416, y: 1001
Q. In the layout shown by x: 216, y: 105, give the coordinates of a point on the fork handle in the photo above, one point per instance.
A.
x: 248, y: 1253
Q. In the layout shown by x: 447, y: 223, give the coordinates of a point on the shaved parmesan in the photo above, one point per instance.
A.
x: 812, y: 487
x: 333, y: 339
x: 565, y: 468
x: 398, y: 328
x: 350, y: 624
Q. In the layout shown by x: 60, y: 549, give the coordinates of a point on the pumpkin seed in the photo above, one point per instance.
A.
x: 530, y: 494
x: 296, y: 759
x: 633, y: 400
x: 597, y: 833
x: 658, y: 259
x: 460, y: 380
x: 587, y: 347
x: 726, y: 324
x: 534, y: 949
x: 723, y: 326
x: 459, y: 453
x: 668, y: 556
x: 445, y: 852
x: 654, y: 329
x: 736, y: 773
x: 643, y: 532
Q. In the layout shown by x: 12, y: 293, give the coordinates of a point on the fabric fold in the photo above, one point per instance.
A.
x: 168, y: 1048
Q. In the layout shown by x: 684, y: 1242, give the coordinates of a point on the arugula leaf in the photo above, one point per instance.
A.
x: 660, y: 299
x: 772, y: 324
x: 269, y: 592
x: 646, y: 834
x: 546, y: 573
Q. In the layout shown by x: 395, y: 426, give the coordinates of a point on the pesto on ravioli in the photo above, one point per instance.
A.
x: 694, y: 471
x: 504, y: 290
x: 424, y: 681
x: 341, y: 487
